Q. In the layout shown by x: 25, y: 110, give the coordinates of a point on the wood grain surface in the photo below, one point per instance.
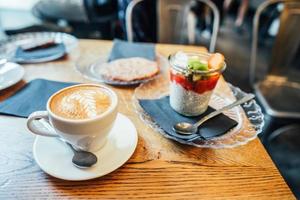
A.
x: 159, y: 168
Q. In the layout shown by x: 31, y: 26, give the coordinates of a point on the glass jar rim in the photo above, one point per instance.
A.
x: 202, y: 72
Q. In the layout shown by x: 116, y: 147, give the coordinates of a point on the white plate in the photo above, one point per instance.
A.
x: 55, y: 157
x: 10, y: 74
x: 8, y: 47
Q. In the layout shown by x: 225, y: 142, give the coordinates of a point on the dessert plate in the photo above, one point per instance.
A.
x: 55, y: 157
x: 10, y: 74
x: 89, y: 67
x: 8, y: 47
x: 249, y: 116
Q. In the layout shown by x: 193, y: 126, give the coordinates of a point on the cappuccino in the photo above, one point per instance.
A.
x: 80, y: 102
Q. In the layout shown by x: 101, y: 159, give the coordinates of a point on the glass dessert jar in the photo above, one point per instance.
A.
x: 193, y: 78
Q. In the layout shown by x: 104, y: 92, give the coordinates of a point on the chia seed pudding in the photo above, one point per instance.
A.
x: 193, y: 78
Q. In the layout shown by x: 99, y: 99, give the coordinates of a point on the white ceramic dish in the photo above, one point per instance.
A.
x: 55, y: 157
x: 9, y: 46
x: 10, y: 74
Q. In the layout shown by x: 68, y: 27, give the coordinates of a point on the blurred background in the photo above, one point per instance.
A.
x: 259, y: 38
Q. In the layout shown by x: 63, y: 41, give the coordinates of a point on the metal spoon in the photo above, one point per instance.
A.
x: 186, y: 128
x: 82, y: 159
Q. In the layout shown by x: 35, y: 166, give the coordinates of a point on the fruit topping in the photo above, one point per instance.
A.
x: 215, y: 61
x: 196, y: 64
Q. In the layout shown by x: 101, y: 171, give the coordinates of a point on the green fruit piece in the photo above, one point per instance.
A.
x: 197, y: 65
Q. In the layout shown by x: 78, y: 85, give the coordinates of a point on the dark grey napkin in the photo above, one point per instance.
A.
x: 123, y: 49
x: 43, y: 54
x: 162, y: 113
x: 32, y: 97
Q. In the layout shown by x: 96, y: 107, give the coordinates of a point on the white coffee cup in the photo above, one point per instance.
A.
x: 86, y: 134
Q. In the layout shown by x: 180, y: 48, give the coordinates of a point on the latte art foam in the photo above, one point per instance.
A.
x: 82, y: 102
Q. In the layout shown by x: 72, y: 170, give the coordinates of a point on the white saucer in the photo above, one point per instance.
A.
x: 10, y: 74
x: 55, y: 157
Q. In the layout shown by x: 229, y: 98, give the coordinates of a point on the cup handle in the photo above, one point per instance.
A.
x: 34, y: 118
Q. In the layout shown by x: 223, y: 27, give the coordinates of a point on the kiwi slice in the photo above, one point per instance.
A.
x: 194, y: 64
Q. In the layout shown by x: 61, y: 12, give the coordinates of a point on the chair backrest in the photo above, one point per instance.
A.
x: 172, y: 20
x: 280, y: 44
x: 287, y: 44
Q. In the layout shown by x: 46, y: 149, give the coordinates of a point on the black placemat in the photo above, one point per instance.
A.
x: 161, y: 112
x: 124, y: 49
x: 32, y: 97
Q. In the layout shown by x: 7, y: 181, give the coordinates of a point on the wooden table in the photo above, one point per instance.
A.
x: 159, y: 168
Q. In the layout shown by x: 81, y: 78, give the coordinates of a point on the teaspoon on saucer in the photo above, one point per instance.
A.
x: 185, y: 128
x: 82, y: 159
